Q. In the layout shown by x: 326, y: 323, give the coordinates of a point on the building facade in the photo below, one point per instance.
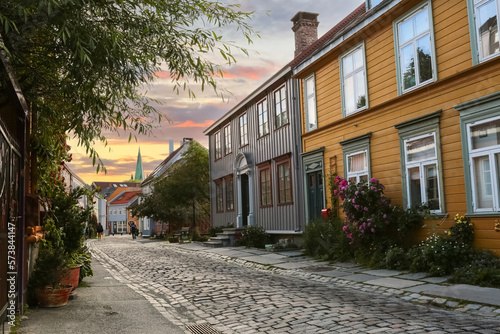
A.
x: 119, y: 215
x: 407, y: 92
x: 255, y: 168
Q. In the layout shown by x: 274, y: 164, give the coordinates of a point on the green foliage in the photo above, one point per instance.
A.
x: 396, y: 258
x: 83, y: 258
x: 463, y: 230
x: 483, y: 268
x: 254, y: 236
x: 324, y: 239
x: 82, y: 65
x: 187, y: 181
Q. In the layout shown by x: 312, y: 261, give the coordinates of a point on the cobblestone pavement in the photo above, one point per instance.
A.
x: 234, y: 296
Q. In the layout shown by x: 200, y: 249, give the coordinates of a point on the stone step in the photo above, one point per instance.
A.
x: 220, y: 237
x: 212, y: 244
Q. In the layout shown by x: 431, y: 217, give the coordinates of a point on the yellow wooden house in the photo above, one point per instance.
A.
x: 408, y: 92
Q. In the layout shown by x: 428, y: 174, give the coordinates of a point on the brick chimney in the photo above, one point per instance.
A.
x: 305, y: 27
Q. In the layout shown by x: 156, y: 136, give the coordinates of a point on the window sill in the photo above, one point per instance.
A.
x: 266, y: 206
x: 281, y: 127
x: 491, y: 214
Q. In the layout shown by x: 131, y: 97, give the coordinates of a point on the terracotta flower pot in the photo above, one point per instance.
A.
x: 50, y: 297
x: 71, y: 276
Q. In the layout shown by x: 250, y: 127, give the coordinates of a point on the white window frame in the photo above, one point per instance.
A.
x: 243, y: 122
x: 358, y: 174
x: 311, y: 116
x: 280, y: 107
x: 399, y: 47
x: 263, y: 118
x: 476, y: 49
x: 421, y: 164
x: 227, y: 139
x: 218, y: 146
x: 490, y: 152
x: 344, y: 76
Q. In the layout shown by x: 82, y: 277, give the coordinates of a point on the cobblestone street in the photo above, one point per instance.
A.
x: 235, y: 296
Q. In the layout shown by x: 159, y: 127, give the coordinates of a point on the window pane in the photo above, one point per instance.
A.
x: 487, y: 29
x: 360, y: 89
x: 363, y: 178
x: 420, y: 149
x: 347, y: 65
x: 357, y: 162
x: 414, y: 185
x: 357, y: 59
x: 424, y: 58
x: 421, y: 22
x: 408, y: 66
x: 485, y: 134
x: 406, y: 30
x: 310, y: 87
x: 431, y: 187
x: 349, y: 95
x: 311, y: 112
x: 482, y: 179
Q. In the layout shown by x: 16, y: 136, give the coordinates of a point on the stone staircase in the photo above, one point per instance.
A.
x: 224, y: 239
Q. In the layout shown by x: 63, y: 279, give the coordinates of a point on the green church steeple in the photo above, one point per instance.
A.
x: 139, y: 173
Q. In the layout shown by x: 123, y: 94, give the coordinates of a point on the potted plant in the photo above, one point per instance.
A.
x: 45, y: 282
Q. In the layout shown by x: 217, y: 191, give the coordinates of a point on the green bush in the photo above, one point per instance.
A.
x: 483, y: 269
x: 254, y: 236
x: 397, y: 258
x: 324, y: 239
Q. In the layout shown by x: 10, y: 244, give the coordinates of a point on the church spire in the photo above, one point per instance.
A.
x: 139, y: 173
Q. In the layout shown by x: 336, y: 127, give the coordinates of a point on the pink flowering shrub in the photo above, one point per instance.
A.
x: 368, y: 213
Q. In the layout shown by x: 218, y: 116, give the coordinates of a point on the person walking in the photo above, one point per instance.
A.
x: 100, y: 229
x: 133, y: 230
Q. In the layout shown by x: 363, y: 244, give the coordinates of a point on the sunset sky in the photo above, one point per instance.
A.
x: 188, y: 117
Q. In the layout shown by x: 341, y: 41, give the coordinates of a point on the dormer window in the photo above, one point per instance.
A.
x: 372, y: 3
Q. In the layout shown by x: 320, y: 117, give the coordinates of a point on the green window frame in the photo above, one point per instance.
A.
x: 487, y: 12
x: 474, y: 117
x: 357, y: 147
x: 311, y: 115
x: 354, y: 86
x: 421, y: 162
x: 414, y: 35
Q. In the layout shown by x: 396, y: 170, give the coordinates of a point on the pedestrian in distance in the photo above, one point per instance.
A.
x: 133, y: 230
x: 100, y: 229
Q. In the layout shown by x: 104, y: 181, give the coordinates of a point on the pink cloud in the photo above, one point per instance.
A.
x: 252, y: 73
x: 191, y: 124
x: 163, y: 74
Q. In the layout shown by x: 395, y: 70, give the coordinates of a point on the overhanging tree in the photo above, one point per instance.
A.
x: 185, y: 183
x: 82, y: 63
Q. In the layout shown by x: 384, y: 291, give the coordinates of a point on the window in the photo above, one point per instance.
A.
x: 263, y: 118
x: 284, y: 182
x: 227, y: 139
x: 357, y: 167
x: 114, y: 211
x: 218, y: 148
x: 219, y: 200
x: 421, y: 171
x: 281, y: 114
x: 243, y: 130
x: 110, y: 211
x: 356, y: 152
x: 421, y: 162
x: 483, y: 25
x: 265, y: 185
x: 480, y: 129
x: 310, y: 103
x: 229, y: 193
x: 354, y: 97
x: 484, y: 156
x: 416, y: 62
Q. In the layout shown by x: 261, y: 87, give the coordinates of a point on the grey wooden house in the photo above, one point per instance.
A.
x: 255, y: 166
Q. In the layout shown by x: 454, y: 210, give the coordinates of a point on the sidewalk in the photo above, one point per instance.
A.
x: 417, y: 287
x: 101, y: 305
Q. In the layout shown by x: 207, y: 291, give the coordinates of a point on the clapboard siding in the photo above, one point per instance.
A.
x: 278, y: 143
x: 457, y: 82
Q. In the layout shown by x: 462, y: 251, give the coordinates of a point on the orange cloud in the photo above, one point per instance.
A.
x: 252, y: 73
x: 191, y: 124
x: 163, y: 74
